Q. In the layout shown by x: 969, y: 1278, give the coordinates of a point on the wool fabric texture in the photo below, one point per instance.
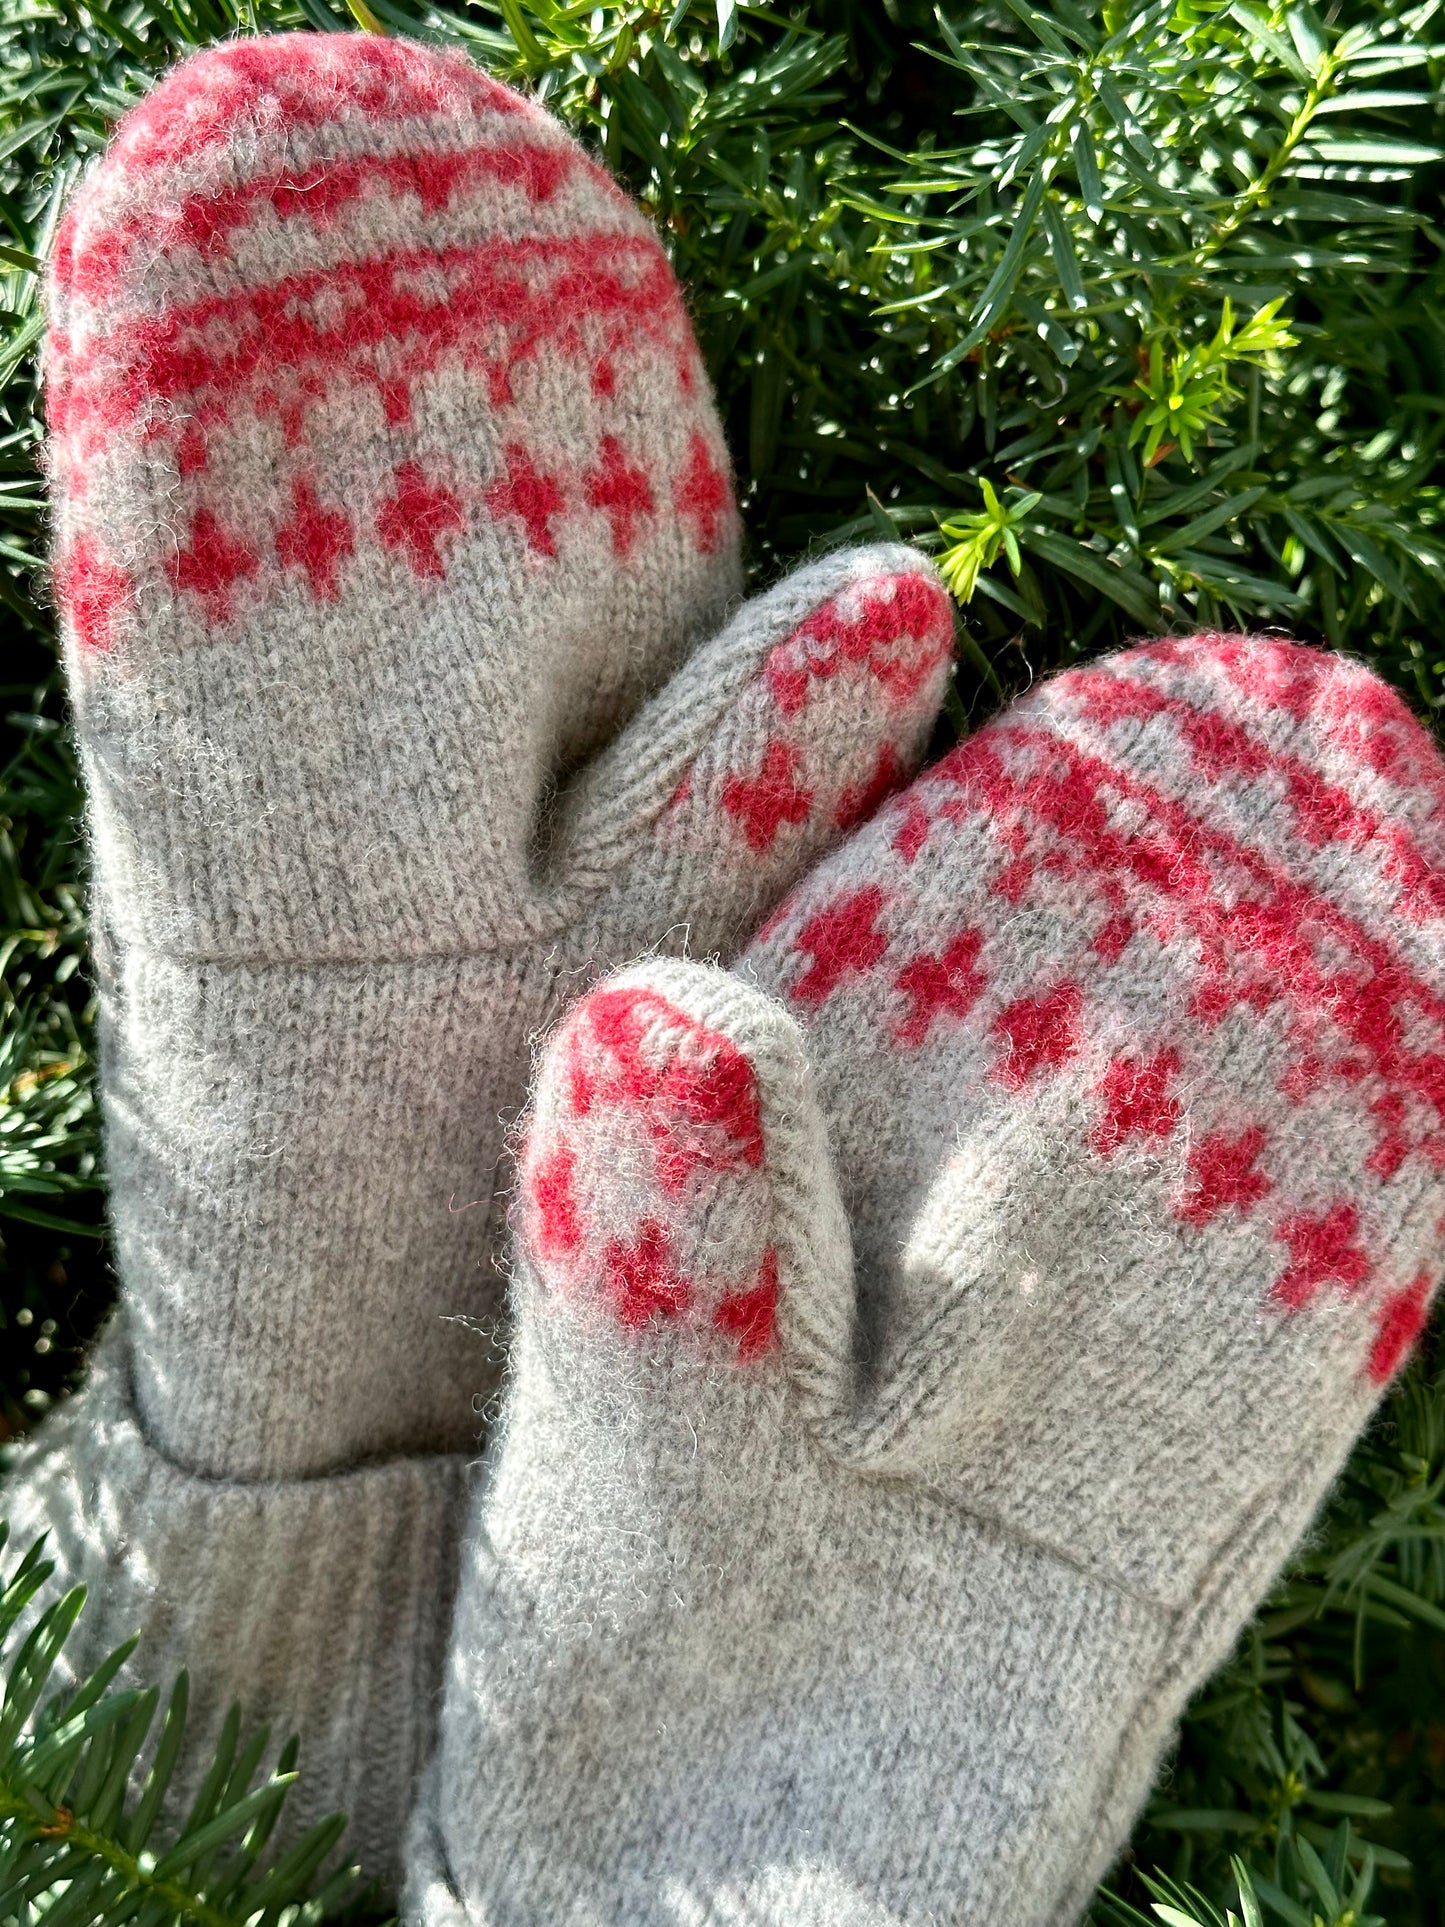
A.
x: 933, y: 1336
x: 398, y: 557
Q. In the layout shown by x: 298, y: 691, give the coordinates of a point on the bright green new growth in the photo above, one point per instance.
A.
x: 1135, y: 317
x: 1334, y: 1897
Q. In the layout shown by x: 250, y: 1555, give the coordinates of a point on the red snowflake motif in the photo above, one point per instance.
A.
x: 641, y: 1277
x: 842, y: 942
x: 556, y: 1216
x: 529, y: 496
x: 1137, y: 1102
x: 1222, y: 1175
x: 912, y: 831
x: 419, y: 519
x: 93, y: 592
x: 751, y: 1317
x: 946, y: 985
x: 212, y: 564
x: 1400, y: 1321
x: 619, y: 488
x: 704, y: 495
x: 859, y: 800
x: 900, y: 627
x: 1040, y: 1034
x: 1322, y: 1251
x: 762, y: 804
x: 316, y: 539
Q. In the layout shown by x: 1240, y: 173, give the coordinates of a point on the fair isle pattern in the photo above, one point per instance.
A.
x: 356, y: 358
x: 648, y: 1124
x: 1260, y: 827
x: 875, y: 654
x: 242, y: 262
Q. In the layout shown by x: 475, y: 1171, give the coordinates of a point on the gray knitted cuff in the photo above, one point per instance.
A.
x: 213, y: 1572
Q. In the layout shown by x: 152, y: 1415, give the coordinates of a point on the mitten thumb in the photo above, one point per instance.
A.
x: 811, y: 705
x: 683, y: 1273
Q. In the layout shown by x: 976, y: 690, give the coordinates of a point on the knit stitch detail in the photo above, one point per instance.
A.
x: 646, y: 1125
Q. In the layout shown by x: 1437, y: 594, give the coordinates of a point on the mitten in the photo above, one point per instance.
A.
x: 398, y: 558
x: 934, y: 1336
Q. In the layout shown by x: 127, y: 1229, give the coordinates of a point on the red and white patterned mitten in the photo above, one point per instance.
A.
x: 397, y: 552
x: 934, y: 1335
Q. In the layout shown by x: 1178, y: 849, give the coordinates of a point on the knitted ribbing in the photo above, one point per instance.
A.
x: 270, y: 1592
x: 393, y: 533
x: 934, y: 1336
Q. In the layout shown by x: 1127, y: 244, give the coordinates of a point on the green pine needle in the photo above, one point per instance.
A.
x: 1134, y: 315
x: 86, y: 1836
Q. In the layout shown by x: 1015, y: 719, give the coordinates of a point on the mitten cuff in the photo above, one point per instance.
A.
x: 247, y: 1584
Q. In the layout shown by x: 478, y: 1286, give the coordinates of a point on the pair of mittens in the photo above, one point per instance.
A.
x: 933, y: 1335
x: 398, y: 558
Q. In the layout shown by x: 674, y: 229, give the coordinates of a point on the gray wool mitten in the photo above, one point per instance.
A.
x: 396, y: 547
x: 933, y: 1336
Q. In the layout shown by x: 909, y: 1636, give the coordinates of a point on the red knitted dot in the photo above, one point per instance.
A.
x: 1325, y: 813
x: 1219, y: 745
x: 1389, y: 1112
x: 1106, y: 697
x: 1040, y: 1034
x: 1013, y: 880
x: 1112, y: 938
x: 212, y: 564
x: 763, y: 803
x: 419, y: 520
x: 842, y: 942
